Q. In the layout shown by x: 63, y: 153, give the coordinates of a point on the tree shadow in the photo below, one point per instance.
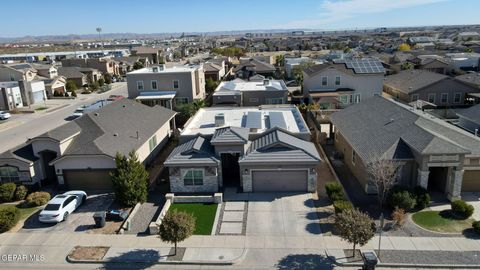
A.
x: 305, y: 262
x: 471, y: 234
x: 135, y: 260
x: 313, y: 228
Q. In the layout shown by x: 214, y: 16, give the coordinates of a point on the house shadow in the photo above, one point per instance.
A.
x: 134, y: 260
x: 305, y: 262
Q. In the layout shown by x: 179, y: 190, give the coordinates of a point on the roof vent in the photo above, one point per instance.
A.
x: 266, y: 82
x: 115, y: 134
x: 97, y: 114
x: 219, y: 120
x: 161, y: 67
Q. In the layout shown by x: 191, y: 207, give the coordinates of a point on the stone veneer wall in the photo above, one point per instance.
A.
x: 210, y: 180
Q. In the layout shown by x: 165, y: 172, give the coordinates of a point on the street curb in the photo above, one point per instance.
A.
x: 231, y: 262
x: 407, y: 265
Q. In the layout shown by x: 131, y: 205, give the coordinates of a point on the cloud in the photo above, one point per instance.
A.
x: 335, y: 11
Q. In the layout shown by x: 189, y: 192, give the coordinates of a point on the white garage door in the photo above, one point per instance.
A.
x: 283, y: 180
x: 37, y: 96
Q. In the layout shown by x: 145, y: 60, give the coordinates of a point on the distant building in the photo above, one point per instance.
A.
x: 250, y: 93
x: 251, y: 67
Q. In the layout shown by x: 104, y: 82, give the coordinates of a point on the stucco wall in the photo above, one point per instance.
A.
x: 163, y: 133
x: 46, y: 144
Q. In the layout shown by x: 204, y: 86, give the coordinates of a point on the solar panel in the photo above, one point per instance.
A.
x: 254, y: 120
x: 363, y: 66
x: 277, y: 120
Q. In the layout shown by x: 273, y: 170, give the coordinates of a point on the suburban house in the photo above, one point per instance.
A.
x: 435, y: 88
x: 343, y: 82
x: 469, y: 119
x: 10, y: 96
x: 49, y: 75
x: 292, y: 62
x: 104, y: 64
x: 250, y: 67
x: 153, y: 55
x: 250, y: 93
x: 167, y: 86
x: 214, y: 71
x: 81, y: 153
x: 32, y: 90
x: 81, y: 76
x: 253, y: 149
x: 431, y: 153
x: 125, y: 64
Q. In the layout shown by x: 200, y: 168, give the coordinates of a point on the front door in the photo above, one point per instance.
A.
x: 230, y: 169
x: 50, y: 175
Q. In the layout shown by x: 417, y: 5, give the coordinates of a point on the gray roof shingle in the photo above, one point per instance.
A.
x: 409, y: 81
x: 230, y: 135
x: 197, y: 151
x: 472, y: 114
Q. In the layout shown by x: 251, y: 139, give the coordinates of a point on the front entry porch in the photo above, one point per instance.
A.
x: 443, y: 179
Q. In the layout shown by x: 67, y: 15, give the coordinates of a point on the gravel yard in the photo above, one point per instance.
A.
x: 430, y: 257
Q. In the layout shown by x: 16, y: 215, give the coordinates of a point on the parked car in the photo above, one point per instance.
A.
x: 58, y: 208
x: 4, y: 115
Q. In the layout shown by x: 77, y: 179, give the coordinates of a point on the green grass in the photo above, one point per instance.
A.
x: 204, y: 214
x: 25, y: 212
x: 441, y: 221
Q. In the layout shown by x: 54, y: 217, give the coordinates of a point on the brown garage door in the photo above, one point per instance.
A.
x: 88, y: 179
x: 283, y: 180
x: 471, y: 181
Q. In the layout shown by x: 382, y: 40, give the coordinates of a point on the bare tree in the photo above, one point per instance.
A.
x: 383, y: 174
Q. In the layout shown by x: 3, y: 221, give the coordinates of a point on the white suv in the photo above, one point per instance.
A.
x: 58, y: 208
x: 4, y: 115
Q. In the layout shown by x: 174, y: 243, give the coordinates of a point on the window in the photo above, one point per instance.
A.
x: 351, y: 99
x: 324, y: 81
x: 444, y: 98
x: 344, y: 99
x: 193, y: 178
x: 354, y: 156
x: 152, y: 143
x: 154, y: 85
x: 253, y: 99
x: 12, y: 77
x: 275, y: 101
x: 431, y: 98
x: 357, y: 98
x: 457, y: 98
x: 9, y: 174
x: 337, y: 80
x: 414, y: 97
x: 181, y: 100
x: 175, y: 84
x: 139, y: 85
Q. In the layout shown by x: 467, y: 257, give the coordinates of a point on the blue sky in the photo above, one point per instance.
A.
x: 55, y: 17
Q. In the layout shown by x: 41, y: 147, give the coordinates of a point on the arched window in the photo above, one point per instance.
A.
x: 9, y: 174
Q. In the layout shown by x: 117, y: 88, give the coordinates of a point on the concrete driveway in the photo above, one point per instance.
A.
x: 79, y: 221
x: 286, y: 214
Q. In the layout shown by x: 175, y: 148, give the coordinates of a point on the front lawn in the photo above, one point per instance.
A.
x: 25, y: 212
x: 441, y: 221
x: 203, y: 213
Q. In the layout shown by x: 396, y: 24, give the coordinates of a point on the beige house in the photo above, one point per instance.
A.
x: 31, y: 89
x: 167, y: 86
x: 104, y: 64
x: 81, y: 153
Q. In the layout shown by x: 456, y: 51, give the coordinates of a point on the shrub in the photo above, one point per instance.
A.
x: 333, y: 187
x: 20, y: 193
x: 8, y: 218
x: 399, y: 216
x: 337, y: 196
x: 422, y: 197
x: 57, y: 94
x: 74, y: 93
x: 476, y: 226
x: 403, y: 199
x: 7, y: 191
x: 66, y: 94
x: 462, y: 209
x: 38, y: 198
x: 342, y: 205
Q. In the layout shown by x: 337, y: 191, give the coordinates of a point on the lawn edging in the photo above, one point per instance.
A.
x: 140, y: 261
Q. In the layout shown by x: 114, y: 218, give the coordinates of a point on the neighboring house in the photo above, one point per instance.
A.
x: 126, y: 63
x: 32, y: 90
x: 250, y: 67
x: 431, y: 153
x: 152, y: 54
x: 74, y: 74
x: 104, y: 64
x: 469, y: 119
x: 81, y: 153
x: 435, y: 88
x: 343, y: 82
x: 10, y: 96
x: 468, y: 36
x: 291, y: 63
x: 263, y: 149
x: 472, y: 79
x: 56, y: 84
x: 250, y: 93
x: 214, y: 71
x: 437, y: 65
x: 464, y: 61
x: 167, y: 86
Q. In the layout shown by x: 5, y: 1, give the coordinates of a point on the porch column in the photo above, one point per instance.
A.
x: 422, y: 178
x: 455, y: 188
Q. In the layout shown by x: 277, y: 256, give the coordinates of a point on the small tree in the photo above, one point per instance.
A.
x: 71, y: 85
x: 94, y: 86
x: 210, y: 85
x: 101, y: 82
x: 404, y: 47
x: 176, y: 227
x: 138, y: 65
x: 407, y: 66
x: 108, y: 78
x: 130, y: 179
x: 74, y: 93
x: 355, y: 227
x: 383, y: 174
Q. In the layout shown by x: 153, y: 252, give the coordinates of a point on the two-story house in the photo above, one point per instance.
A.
x: 49, y: 75
x: 167, y: 86
x: 31, y: 89
x: 343, y: 82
